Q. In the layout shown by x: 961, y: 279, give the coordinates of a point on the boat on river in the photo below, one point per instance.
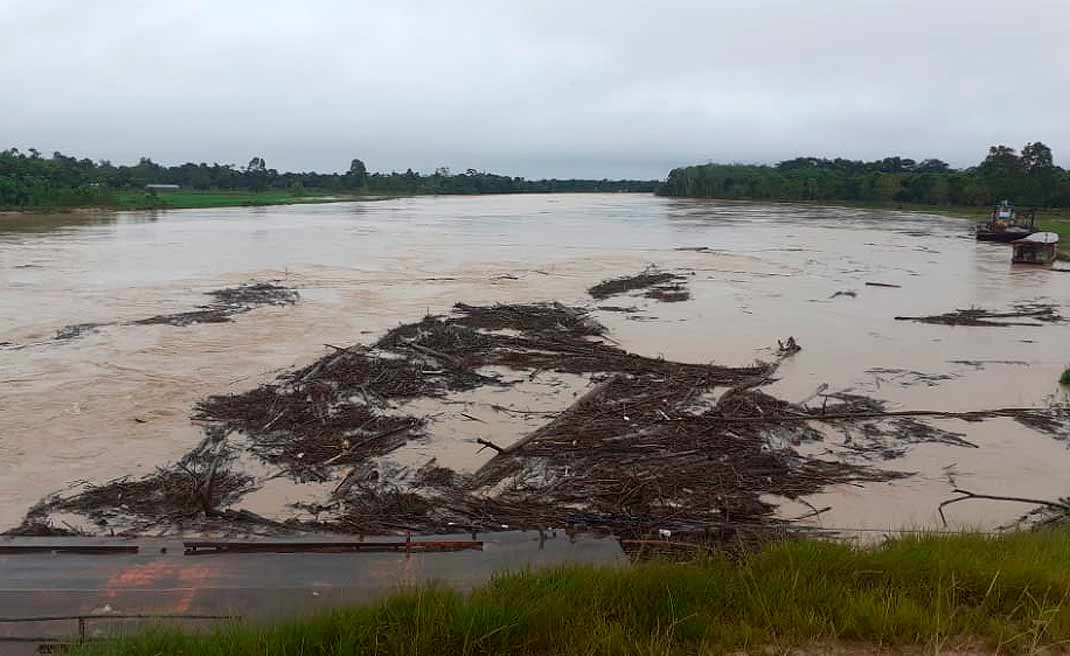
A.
x: 1005, y: 225
x: 1038, y: 248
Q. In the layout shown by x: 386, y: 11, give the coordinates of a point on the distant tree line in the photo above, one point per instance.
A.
x: 29, y: 180
x: 1029, y: 178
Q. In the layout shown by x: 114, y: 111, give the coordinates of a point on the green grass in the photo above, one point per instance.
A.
x: 189, y: 199
x: 1060, y: 226
x: 1007, y: 594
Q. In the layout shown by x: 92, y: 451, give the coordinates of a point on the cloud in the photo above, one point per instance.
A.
x: 537, y: 88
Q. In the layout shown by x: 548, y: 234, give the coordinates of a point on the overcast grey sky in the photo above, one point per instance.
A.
x: 587, y: 88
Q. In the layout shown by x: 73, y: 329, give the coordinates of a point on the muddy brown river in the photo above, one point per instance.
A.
x: 116, y: 399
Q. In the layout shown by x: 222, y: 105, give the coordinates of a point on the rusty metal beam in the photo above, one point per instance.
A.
x: 201, y: 548
x: 80, y: 549
x: 114, y: 616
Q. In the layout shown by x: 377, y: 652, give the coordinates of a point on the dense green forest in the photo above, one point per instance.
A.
x: 30, y: 181
x: 1029, y: 178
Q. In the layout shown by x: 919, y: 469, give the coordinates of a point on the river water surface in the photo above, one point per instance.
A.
x: 116, y: 401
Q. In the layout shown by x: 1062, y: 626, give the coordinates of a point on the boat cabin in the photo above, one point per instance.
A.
x: 1004, y: 212
x: 1037, y: 248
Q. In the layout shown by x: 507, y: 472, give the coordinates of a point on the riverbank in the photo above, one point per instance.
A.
x: 1055, y: 220
x: 1058, y: 214
x: 1051, y: 220
x: 964, y: 592
x: 189, y: 199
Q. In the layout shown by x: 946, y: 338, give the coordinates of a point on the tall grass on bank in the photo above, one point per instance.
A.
x: 1009, y: 593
